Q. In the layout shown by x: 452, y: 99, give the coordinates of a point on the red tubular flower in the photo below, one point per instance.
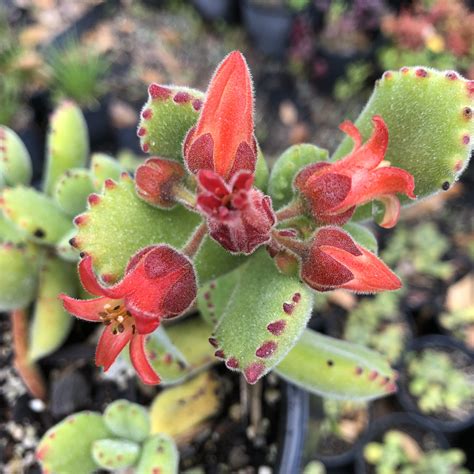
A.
x: 159, y: 282
x: 223, y: 139
x: 334, y: 190
x: 335, y: 260
x: 155, y: 179
x: 239, y: 216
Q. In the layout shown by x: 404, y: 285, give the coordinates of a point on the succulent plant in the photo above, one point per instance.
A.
x: 120, y: 438
x: 195, y: 224
x: 399, y: 452
x: 438, y: 385
x: 378, y: 324
x: 35, y: 228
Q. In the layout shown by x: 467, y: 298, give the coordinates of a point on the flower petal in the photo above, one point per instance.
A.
x: 110, y: 345
x: 371, y: 275
x: 392, y: 210
x: 88, y: 277
x: 140, y: 361
x: 227, y: 115
x: 87, y: 310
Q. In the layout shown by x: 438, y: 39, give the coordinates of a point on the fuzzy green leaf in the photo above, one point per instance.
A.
x: 120, y: 223
x: 51, y: 323
x: 66, y: 447
x: 262, y: 172
x: 280, y: 184
x: 114, y: 454
x: 104, y: 167
x: 159, y: 454
x: 430, y: 125
x: 127, y: 420
x: 65, y: 250
x: 72, y: 189
x: 68, y: 143
x: 166, y: 119
x: 18, y: 275
x: 36, y: 214
x: 266, y: 309
x: 337, y: 369
x: 9, y: 232
x: 181, y: 350
x: 15, y: 161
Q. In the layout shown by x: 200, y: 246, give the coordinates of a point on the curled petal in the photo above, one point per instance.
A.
x: 88, y: 277
x: 350, y: 129
x: 140, y: 361
x: 110, y: 346
x: 392, y: 211
x: 87, y: 310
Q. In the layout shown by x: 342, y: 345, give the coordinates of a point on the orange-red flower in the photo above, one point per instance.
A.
x: 239, y: 216
x: 335, y: 260
x: 332, y: 191
x: 223, y: 138
x: 159, y: 283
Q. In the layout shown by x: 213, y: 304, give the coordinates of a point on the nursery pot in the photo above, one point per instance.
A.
x: 215, y: 10
x: 98, y: 122
x: 292, y: 429
x: 422, y: 431
x: 408, y: 401
x: 334, y: 453
x: 269, y: 27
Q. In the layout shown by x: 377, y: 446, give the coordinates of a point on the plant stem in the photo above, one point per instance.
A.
x: 294, y: 209
x: 183, y: 195
x: 193, y: 244
x: 292, y: 244
x: 28, y: 372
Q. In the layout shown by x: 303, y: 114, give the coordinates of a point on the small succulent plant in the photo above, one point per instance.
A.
x: 400, y: 453
x: 436, y: 382
x: 419, y: 252
x: 119, y: 439
x: 377, y: 323
x: 35, y: 228
x: 460, y: 323
x: 203, y: 220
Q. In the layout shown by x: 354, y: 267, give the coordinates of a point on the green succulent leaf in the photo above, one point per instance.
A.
x: 337, y: 369
x: 280, y: 184
x: 180, y: 350
x: 35, y: 214
x: 72, y: 189
x: 18, y: 275
x: 120, y: 223
x: 268, y: 310
x: 65, y: 250
x: 15, y: 161
x: 68, y: 143
x: 159, y: 454
x: 262, y: 172
x: 127, y: 420
x: 67, y: 447
x: 114, y: 454
x: 51, y: 323
x: 429, y: 118
x: 166, y: 118
x: 9, y: 232
x: 104, y: 167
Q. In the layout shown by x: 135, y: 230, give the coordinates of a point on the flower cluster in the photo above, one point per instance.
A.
x: 217, y: 181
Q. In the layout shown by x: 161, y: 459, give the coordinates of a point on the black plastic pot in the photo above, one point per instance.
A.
x: 422, y: 431
x: 407, y: 400
x: 269, y: 27
x: 98, y: 123
x: 217, y: 10
x: 292, y: 429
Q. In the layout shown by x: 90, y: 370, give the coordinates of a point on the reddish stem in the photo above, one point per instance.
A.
x: 293, y: 209
x: 292, y: 244
x: 193, y: 244
x: 28, y: 372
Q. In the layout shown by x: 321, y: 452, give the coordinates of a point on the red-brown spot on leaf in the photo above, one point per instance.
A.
x: 254, y: 371
x: 277, y: 327
x: 266, y: 349
x: 232, y: 363
x: 158, y: 92
x: 288, y: 308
